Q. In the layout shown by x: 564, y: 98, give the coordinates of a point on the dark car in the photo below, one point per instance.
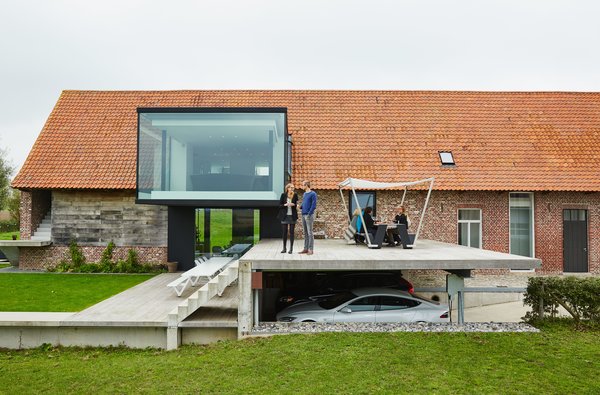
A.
x: 327, y: 283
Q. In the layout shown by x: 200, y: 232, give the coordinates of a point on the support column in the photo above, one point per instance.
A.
x: 245, y: 299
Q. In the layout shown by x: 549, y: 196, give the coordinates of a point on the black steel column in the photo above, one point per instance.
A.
x: 181, y: 234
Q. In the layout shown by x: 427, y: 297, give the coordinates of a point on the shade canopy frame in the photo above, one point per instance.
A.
x: 357, y: 183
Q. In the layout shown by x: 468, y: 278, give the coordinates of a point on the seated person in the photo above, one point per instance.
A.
x: 369, y: 222
x: 400, y: 218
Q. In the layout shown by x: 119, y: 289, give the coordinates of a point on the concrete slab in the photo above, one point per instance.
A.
x: 32, y: 318
x: 335, y: 254
x: 25, y: 243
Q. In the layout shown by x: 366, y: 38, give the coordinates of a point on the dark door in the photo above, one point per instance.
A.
x: 575, y: 241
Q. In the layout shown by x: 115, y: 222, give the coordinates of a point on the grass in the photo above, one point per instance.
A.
x: 3, y: 265
x: 60, y: 292
x: 9, y: 235
x: 556, y: 361
x: 220, y: 225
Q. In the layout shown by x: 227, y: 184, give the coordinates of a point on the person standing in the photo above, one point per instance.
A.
x: 308, y: 207
x: 288, y: 215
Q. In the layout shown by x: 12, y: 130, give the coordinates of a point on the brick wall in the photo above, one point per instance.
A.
x: 50, y: 256
x: 548, y: 207
x: 441, y: 222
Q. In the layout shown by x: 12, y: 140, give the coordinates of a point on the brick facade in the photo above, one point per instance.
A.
x: 95, y: 218
x: 47, y: 257
x: 441, y: 221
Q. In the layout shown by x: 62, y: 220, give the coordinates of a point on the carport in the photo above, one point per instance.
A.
x: 336, y: 255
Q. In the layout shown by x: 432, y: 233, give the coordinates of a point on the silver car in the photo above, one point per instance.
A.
x: 366, y: 305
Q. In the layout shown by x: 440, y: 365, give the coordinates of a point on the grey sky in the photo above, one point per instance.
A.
x: 48, y: 46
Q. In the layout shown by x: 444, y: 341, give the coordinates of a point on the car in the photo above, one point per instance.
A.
x: 366, y: 305
x: 322, y: 284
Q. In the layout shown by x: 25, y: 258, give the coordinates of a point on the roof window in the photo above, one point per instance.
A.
x: 446, y: 158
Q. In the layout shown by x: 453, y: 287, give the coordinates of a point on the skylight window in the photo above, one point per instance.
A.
x: 446, y: 158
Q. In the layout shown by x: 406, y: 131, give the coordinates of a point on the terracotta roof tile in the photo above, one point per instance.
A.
x: 500, y: 140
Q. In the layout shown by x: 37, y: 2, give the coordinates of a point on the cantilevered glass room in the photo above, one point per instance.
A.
x: 211, y: 155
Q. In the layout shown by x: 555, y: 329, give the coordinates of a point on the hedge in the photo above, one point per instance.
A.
x: 9, y: 226
x: 579, y: 296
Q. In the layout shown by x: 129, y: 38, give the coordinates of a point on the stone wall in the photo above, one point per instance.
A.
x: 96, y: 218
x: 441, y: 221
x: 93, y: 219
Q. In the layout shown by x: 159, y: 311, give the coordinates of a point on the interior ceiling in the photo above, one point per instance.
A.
x: 216, y: 135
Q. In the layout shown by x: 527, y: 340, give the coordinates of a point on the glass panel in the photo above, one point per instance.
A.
x: 582, y: 215
x: 365, y: 199
x: 220, y: 229
x: 469, y: 214
x: 446, y: 158
x: 521, y: 224
x: 566, y: 215
x: 474, y: 236
x: 364, y: 304
x: 463, y: 234
x: 211, y: 156
x: 394, y: 303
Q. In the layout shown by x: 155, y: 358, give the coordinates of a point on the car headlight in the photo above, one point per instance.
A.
x: 287, y: 319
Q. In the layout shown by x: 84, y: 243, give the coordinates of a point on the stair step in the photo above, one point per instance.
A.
x: 41, y: 238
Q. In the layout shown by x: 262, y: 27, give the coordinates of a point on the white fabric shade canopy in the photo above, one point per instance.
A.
x: 357, y: 183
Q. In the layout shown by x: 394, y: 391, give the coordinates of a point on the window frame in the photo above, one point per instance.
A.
x: 214, y: 203
x: 351, y: 202
x: 532, y: 199
x: 468, y: 221
x: 450, y: 164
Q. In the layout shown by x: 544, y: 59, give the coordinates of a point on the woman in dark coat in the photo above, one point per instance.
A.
x: 288, y: 215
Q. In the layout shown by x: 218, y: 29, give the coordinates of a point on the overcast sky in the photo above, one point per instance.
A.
x: 505, y: 45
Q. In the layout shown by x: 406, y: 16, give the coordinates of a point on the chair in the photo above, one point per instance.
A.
x: 377, y: 239
x: 405, y: 238
x: 350, y: 232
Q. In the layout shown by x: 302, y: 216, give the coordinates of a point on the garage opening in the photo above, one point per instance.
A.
x: 283, y: 289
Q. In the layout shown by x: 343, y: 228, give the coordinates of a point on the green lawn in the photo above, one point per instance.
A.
x: 8, y: 235
x: 557, y: 361
x: 60, y: 292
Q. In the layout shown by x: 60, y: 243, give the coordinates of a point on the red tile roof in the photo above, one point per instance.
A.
x: 500, y: 140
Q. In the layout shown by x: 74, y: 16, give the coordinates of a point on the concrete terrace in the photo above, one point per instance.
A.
x: 335, y: 254
x: 136, y: 317
x: 140, y: 316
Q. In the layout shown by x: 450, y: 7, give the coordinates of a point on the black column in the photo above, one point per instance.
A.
x: 270, y: 226
x: 181, y: 233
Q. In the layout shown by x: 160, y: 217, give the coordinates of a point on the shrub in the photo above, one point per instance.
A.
x: 77, y: 257
x: 9, y: 226
x: 580, y: 297
x: 107, y: 265
x: 77, y: 263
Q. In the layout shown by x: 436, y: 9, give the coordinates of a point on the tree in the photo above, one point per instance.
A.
x: 6, y: 171
x: 14, y: 203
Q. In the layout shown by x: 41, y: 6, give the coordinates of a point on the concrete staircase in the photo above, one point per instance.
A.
x: 44, y: 231
x: 212, y: 288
